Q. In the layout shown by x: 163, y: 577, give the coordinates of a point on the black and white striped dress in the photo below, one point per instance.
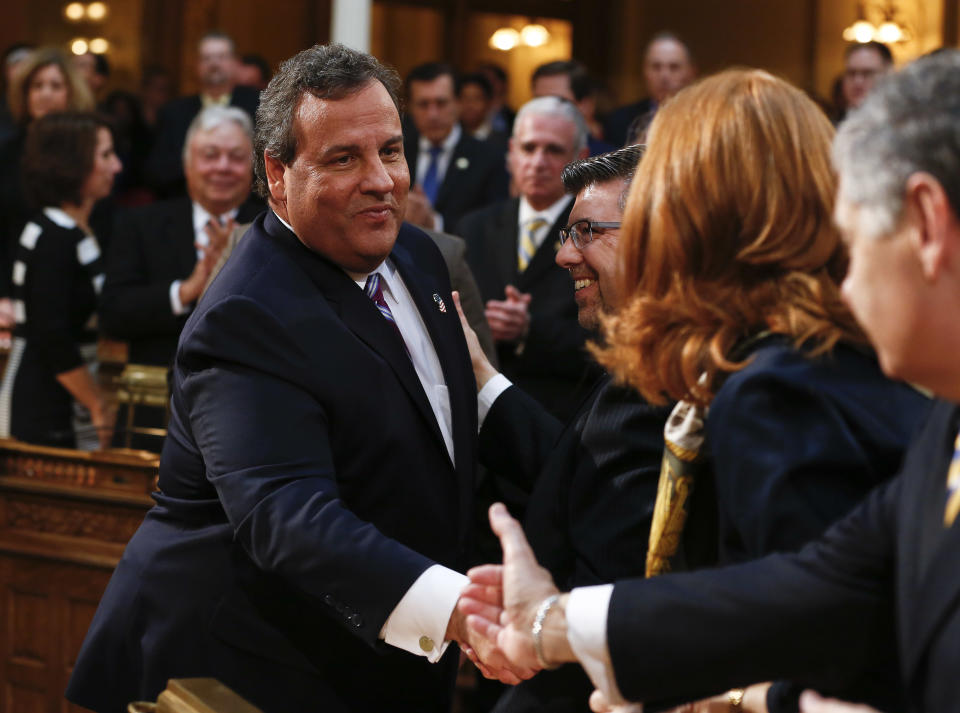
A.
x: 57, y: 277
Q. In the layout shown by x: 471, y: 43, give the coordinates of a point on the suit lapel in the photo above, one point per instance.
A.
x: 410, y: 149
x: 450, y: 345
x: 932, y: 586
x: 544, y: 260
x: 504, y: 239
x: 455, y: 178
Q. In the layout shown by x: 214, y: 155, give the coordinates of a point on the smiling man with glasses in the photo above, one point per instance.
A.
x: 593, y: 482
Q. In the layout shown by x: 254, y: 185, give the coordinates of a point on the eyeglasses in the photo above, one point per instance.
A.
x: 581, y: 232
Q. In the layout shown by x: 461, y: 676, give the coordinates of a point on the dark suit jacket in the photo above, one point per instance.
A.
x: 164, y: 166
x: 617, y: 123
x: 553, y: 365
x: 475, y: 177
x: 154, y: 246
x: 882, y: 582
x: 594, y: 484
x: 305, y: 487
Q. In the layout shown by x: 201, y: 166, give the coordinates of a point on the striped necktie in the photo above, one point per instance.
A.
x: 953, y: 486
x: 528, y: 245
x: 374, y: 291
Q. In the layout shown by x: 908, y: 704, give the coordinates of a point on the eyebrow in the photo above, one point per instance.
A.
x: 346, y: 148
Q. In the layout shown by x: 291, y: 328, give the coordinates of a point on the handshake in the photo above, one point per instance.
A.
x: 509, y: 620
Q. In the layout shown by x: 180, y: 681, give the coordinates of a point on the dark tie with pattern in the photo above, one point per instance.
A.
x: 430, y: 183
x: 953, y: 486
x: 375, y: 292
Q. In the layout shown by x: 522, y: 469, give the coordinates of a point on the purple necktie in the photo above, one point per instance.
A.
x: 375, y: 292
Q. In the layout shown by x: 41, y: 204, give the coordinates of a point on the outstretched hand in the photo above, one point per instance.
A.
x: 501, y: 601
x: 483, y: 370
x: 484, y: 653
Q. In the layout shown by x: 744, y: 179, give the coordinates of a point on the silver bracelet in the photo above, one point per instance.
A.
x: 537, y: 629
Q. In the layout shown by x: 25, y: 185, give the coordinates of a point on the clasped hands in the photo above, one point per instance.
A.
x: 501, y: 602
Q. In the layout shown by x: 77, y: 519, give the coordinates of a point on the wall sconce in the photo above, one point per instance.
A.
x: 79, y: 45
x: 99, y: 45
x: 888, y: 31
x: 94, y: 12
x: 531, y: 35
x: 506, y: 38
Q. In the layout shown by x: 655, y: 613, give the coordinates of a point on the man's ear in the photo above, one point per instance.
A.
x: 935, y: 227
x: 276, y: 178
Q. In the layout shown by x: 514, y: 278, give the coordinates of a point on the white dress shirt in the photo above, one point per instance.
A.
x: 443, y: 163
x: 200, y: 238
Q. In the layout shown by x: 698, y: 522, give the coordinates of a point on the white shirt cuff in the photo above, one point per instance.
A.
x: 488, y: 394
x: 418, y: 623
x: 587, y: 632
x: 175, y: 305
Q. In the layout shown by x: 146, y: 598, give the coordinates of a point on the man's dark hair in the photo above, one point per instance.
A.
x: 580, y: 83
x: 58, y: 157
x: 615, y: 165
x: 881, y: 49
x: 331, y: 71
x: 479, y: 80
x: 428, y: 72
x: 260, y: 62
x: 218, y: 35
x: 494, y: 69
x: 672, y: 37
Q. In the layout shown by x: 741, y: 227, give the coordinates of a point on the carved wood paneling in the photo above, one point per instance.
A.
x: 33, y: 514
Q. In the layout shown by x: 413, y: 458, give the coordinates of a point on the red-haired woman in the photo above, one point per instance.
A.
x: 734, y: 265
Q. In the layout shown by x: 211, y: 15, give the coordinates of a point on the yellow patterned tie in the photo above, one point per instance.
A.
x: 527, y: 244
x: 953, y: 486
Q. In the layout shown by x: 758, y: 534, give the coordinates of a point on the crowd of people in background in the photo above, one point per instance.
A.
x: 118, y: 210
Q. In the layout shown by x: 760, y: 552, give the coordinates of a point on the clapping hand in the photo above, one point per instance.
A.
x: 509, y: 319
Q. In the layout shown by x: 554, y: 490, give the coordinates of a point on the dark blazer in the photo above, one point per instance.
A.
x: 476, y: 176
x: 305, y: 485
x: 617, y: 124
x: 594, y: 483
x: 153, y: 246
x: 163, y: 169
x: 882, y: 582
x: 553, y: 365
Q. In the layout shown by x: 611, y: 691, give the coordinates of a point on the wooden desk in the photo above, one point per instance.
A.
x: 65, y: 518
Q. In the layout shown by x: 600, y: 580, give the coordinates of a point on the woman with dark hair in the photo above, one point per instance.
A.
x: 44, y: 83
x: 68, y: 164
x: 733, y: 265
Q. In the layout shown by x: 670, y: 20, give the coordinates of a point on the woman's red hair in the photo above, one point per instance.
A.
x: 727, y: 232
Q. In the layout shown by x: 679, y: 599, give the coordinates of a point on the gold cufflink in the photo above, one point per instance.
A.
x: 426, y: 643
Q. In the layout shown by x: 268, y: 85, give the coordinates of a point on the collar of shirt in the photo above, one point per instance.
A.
x: 207, y: 101
x: 200, y: 219
x: 551, y: 214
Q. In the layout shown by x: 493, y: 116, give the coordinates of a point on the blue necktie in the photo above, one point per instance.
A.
x: 430, y: 183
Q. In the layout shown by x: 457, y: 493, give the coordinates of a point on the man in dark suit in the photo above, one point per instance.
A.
x: 451, y: 172
x: 316, y: 482
x: 883, y: 580
x: 569, y: 79
x: 163, y: 252
x: 216, y: 65
x: 668, y: 67
x: 594, y: 480
x: 512, y: 248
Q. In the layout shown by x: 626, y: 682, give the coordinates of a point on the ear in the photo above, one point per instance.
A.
x: 935, y: 226
x: 276, y: 178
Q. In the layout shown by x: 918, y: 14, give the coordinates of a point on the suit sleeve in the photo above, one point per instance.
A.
x: 264, y: 438
x: 133, y: 304
x: 787, y: 463
x: 817, y: 616
x: 517, y: 437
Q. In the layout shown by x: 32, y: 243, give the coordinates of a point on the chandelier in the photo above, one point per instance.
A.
x: 889, y: 30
